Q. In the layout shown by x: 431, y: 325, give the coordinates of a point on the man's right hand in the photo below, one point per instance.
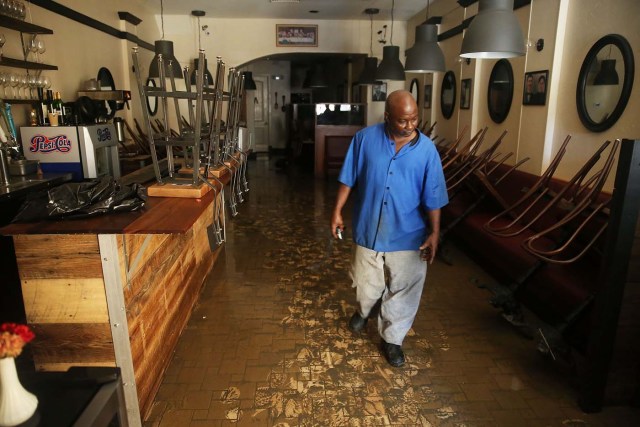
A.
x: 336, y: 223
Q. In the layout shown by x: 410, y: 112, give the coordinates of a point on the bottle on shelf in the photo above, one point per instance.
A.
x: 41, y: 109
x: 57, y: 107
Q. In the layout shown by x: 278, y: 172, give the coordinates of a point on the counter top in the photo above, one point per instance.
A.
x: 19, y: 186
x: 160, y: 215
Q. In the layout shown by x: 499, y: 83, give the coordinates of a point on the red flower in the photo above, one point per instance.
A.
x: 12, y: 338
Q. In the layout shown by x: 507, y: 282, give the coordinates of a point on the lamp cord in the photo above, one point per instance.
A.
x: 393, y: 5
x: 162, y: 17
x: 199, y: 34
x: 371, y: 36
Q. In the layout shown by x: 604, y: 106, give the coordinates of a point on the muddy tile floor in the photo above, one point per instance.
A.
x: 267, y: 344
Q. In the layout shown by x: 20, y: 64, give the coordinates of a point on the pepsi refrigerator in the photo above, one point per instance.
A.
x: 85, y: 151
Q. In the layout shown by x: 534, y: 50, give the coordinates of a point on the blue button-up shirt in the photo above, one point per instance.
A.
x: 393, y: 191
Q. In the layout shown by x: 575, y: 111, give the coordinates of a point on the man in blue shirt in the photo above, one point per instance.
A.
x: 396, y: 176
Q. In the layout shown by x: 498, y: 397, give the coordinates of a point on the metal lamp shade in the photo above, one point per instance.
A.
x: 368, y: 75
x: 607, y: 74
x: 194, y: 73
x: 494, y: 32
x: 249, y: 83
x: 390, y: 67
x: 425, y: 56
x: 164, y: 48
x: 317, y: 79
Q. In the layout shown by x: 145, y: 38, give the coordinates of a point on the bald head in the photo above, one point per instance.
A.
x: 400, y: 102
x: 401, y: 115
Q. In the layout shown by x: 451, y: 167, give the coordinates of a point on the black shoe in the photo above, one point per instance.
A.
x: 393, y: 353
x: 357, y: 322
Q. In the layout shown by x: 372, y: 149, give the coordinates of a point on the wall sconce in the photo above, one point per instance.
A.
x: 277, y: 77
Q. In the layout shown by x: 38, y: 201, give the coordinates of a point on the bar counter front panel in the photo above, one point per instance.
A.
x: 116, y: 289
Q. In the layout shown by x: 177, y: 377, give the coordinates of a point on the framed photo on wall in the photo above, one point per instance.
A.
x: 296, y: 35
x: 535, y: 88
x: 427, y: 96
x: 379, y: 92
x: 465, y: 94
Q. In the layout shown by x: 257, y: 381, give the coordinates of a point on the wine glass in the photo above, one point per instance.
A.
x: 32, y: 84
x: 23, y: 81
x: 22, y: 11
x: 3, y: 82
x: 46, y: 82
x: 14, y: 80
x: 41, y: 48
x: 3, y: 40
x: 33, y: 46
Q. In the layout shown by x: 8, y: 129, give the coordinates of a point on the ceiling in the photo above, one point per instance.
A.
x: 292, y: 9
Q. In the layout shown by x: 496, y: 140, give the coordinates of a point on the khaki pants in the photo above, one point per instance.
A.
x: 397, y: 278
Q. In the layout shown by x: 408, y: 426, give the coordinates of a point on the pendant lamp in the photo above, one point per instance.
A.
x: 368, y: 75
x: 249, y: 83
x: 494, y: 32
x: 390, y: 67
x: 165, y: 48
x: 425, y: 56
x: 607, y: 74
x: 207, y: 73
x: 317, y: 79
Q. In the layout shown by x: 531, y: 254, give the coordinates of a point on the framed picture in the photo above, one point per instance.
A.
x: 296, y: 35
x: 535, y: 88
x: 427, y: 96
x: 379, y: 92
x: 465, y: 94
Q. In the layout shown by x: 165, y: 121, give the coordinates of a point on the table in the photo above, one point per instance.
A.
x: 82, y: 396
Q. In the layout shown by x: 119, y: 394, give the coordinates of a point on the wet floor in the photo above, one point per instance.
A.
x: 268, y: 344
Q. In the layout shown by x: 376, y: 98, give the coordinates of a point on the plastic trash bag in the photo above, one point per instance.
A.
x: 81, y: 200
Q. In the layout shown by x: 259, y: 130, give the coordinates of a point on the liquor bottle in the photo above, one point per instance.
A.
x: 41, y: 110
x: 57, y: 108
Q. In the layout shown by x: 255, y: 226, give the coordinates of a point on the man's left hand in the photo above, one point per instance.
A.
x: 429, y: 247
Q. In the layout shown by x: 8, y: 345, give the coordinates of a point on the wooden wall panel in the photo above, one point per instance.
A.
x: 52, y: 256
x: 76, y: 343
x: 84, y: 300
x: 160, y: 297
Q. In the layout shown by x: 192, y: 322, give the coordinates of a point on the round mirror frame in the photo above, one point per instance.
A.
x: 152, y: 109
x: 497, y: 116
x: 106, y: 82
x: 414, y: 88
x: 447, y: 112
x: 629, y: 69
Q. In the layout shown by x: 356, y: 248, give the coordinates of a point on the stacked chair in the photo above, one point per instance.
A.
x: 541, y: 237
x: 208, y: 145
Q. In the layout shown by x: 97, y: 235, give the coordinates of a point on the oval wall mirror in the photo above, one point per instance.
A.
x: 152, y: 101
x: 448, y: 94
x: 605, y: 82
x: 500, y: 92
x: 414, y: 88
x: 106, y: 82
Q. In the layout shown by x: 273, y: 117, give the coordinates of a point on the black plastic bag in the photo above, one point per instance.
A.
x: 81, y: 200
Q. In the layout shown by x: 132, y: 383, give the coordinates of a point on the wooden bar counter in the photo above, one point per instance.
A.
x: 115, y: 290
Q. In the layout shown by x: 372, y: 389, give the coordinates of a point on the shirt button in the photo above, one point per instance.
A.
x: 385, y: 203
x: 391, y: 173
x: 387, y: 188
